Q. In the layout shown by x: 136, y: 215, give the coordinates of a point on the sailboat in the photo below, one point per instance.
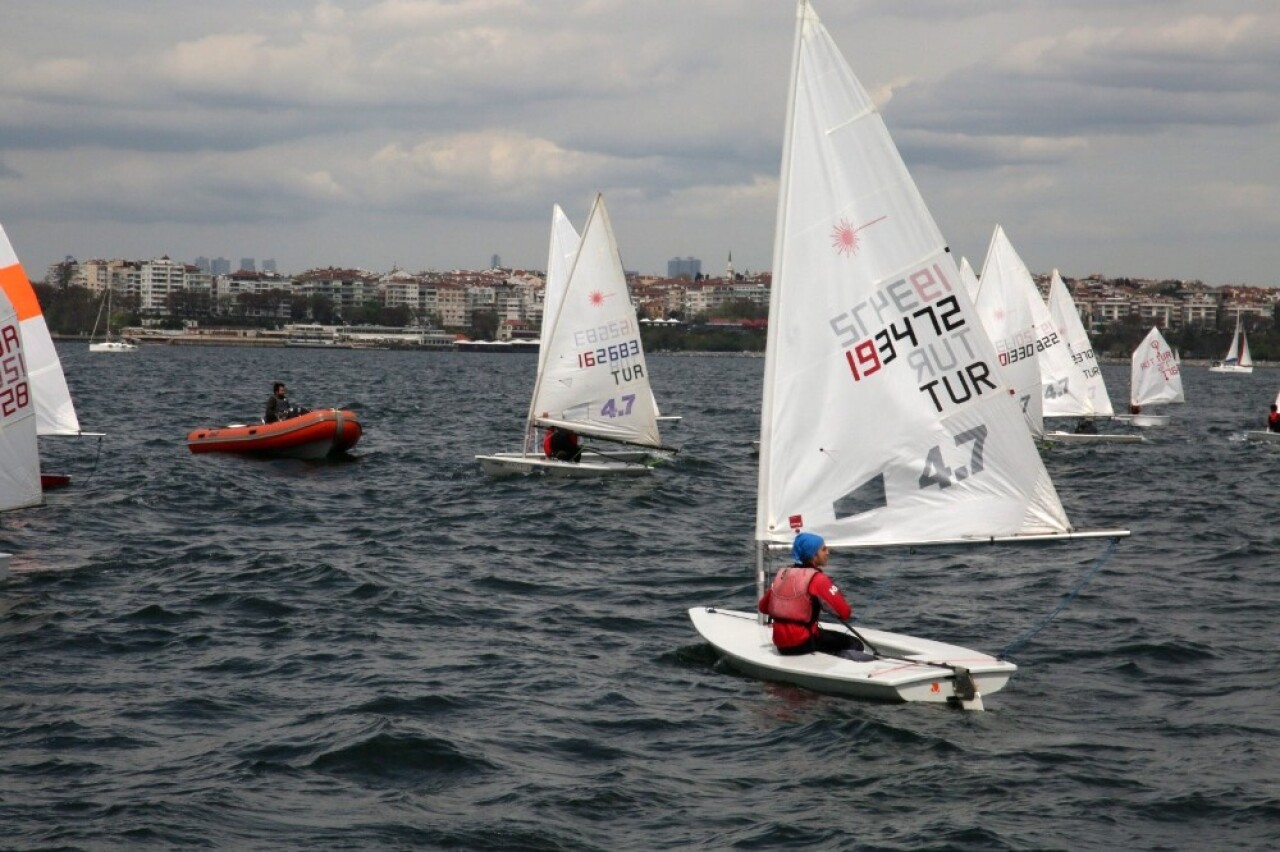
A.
x: 915, y: 438
x: 55, y: 412
x: 1033, y: 357
x: 1084, y: 395
x: 108, y: 343
x: 592, y: 378
x: 1154, y: 379
x: 1238, y: 359
x: 19, y: 456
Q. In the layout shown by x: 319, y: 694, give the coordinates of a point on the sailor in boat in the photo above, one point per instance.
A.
x: 1086, y: 426
x: 1273, y: 419
x: 561, y: 444
x: 795, y: 600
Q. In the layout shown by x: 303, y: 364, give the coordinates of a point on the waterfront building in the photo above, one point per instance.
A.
x: 684, y: 267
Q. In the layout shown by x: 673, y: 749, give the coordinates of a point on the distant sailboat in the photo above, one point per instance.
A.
x: 55, y: 412
x: 1085, y: 394
x: 592, y: 378
x: 865, y: 313
x: 108, y: 343
x: 1238, y: 359
x: 1154, y: 379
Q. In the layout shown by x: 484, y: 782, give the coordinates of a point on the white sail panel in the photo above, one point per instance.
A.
x: 19, y: 456
x: 1006, y: 294
x: 560, y: 255
x: 594, y: 379
x: 969, y: 279
x: 55, y: 413
x: 1233, y: 351
x: 1246, y: 360
x: 885, y: 418
x: 1088, y: 395
x: 1155, y: 376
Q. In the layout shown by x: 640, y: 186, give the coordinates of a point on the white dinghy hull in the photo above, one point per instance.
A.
x: 747, y: 645
x: 1087, y: 438
x: 1144, y: 421
x: 599, y: 467
x: 1263, y: 437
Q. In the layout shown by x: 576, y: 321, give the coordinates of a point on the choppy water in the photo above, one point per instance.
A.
x: 396, y: 652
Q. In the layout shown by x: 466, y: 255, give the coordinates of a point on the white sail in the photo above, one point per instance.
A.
x: 560, y: 256
x: 1019, y: 326
x: 1233, y: 351
x: 1246, y: 360
x: 55, y: 413
x: 969, y: 279
x: 885, y: 417
x: 1087, y: 395
x: 19, y: 456
x: 1155, y: 378
x: 593, y: 378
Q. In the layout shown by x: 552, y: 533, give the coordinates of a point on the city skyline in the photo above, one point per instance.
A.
x: 1120, y: 139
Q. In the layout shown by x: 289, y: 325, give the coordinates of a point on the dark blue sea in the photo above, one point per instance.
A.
x: 394, y: 652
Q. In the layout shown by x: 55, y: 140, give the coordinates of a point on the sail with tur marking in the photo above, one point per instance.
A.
x: 593, y: 378
x: 885, y: 417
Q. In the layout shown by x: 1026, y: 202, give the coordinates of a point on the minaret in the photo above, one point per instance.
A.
x: 728, y: 267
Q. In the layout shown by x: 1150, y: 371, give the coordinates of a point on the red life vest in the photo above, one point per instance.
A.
x: 789, y: 598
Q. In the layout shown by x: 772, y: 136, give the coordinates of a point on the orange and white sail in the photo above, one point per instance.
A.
x: 55, y: 413
x: 19, y: 457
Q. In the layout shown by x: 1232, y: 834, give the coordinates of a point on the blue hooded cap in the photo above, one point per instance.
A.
x: 805, y: 547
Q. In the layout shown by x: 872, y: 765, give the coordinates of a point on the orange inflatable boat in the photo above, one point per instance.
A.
x: 313, y: 435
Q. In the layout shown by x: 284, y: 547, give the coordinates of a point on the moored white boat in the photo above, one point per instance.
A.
x: 1237, y: 360
x: 109, y: 343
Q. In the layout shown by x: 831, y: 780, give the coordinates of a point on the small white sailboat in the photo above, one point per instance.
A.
x: 592, y: 377
x: 19, y: 456
x: 915, y: 438
x: 109, y: 343
x: 1238, y: 359
x: 1083, y: 393
x: 1154, y: 379
x: 1264, y: 436
x: 55, y: 412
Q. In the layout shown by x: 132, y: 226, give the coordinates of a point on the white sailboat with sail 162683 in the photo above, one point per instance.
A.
x: 592, y: 378
x: 885, y: 420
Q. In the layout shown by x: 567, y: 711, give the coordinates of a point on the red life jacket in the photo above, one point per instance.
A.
x: 546, y: 445
x: 789, y: 598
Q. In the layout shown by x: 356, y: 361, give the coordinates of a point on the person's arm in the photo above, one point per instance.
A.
x: 827, y: 592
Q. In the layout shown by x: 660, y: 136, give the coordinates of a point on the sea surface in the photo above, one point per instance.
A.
x: 395, y: 652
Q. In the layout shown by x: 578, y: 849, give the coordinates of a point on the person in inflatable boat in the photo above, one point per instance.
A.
x: 795, y: 599
x: 277, y: 403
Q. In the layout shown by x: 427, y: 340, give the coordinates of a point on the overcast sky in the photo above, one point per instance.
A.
x: 1123, y: 137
